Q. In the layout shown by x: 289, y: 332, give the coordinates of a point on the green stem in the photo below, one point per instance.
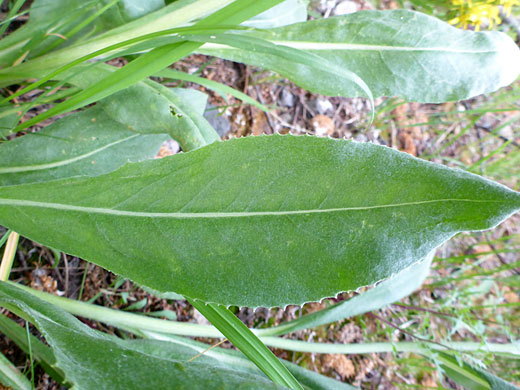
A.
x: 8, y: 258
x: 31, y: 360
x: 123, y: 319
x: 402, y: 346
x: 134, y: 321
x: 5, y: 237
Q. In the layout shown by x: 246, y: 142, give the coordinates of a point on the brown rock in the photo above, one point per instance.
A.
x: 322, y: 125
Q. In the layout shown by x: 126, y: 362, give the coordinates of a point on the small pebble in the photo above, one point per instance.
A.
x: 286, y: 98
x: 321, y: 105
x: 346, y: 7
x: 220, y: 123
x: 507, y: 132
x: 360, y: 137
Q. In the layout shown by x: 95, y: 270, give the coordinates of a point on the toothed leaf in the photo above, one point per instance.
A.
x: 260, y: 221
x: 93, y: 360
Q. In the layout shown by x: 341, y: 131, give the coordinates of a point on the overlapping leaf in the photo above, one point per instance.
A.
x: 127, y: 127
x: 94, y: 360
x: 397, y: 53
x: 86, y: 143
x: 260, y: 221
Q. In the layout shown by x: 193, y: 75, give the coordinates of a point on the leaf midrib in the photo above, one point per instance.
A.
x: 209, y: 215
x: 340, y: 46
x: 38, y: 167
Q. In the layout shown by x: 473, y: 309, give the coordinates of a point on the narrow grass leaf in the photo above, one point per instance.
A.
x: 242, y: 338
x: 472, y: 378
x: 210, y: 84
x: 41, y: 353
x: 153, y: 61
x: 178, y: 13
x: 11, y: 377
x: 131, y: 46
x: 11, y: 15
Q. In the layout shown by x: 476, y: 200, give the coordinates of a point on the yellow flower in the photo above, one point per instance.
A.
x: 475, y: 13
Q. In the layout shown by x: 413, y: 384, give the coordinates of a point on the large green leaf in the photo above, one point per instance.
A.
x: 397, y: 53
x: 260, y: 221
x: 94, y: 360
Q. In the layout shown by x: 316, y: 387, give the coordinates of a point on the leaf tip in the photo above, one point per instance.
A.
x: 508, y: 54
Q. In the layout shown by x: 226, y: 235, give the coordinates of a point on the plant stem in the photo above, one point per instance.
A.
x: 8, y: 258
x: 5, y: 236
x: 131, y: 321
x: 402, y: 346
x: 123, y: 319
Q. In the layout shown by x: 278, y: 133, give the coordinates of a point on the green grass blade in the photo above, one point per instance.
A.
x: 242, y: 337
x: 11, y: 15
x: 80, y: 26
x: 130, y: 45
x: 153, y: 61
x: 178, y: 13
x: 471, y: 378
x: 210, y: 84
x: 41, y: 353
